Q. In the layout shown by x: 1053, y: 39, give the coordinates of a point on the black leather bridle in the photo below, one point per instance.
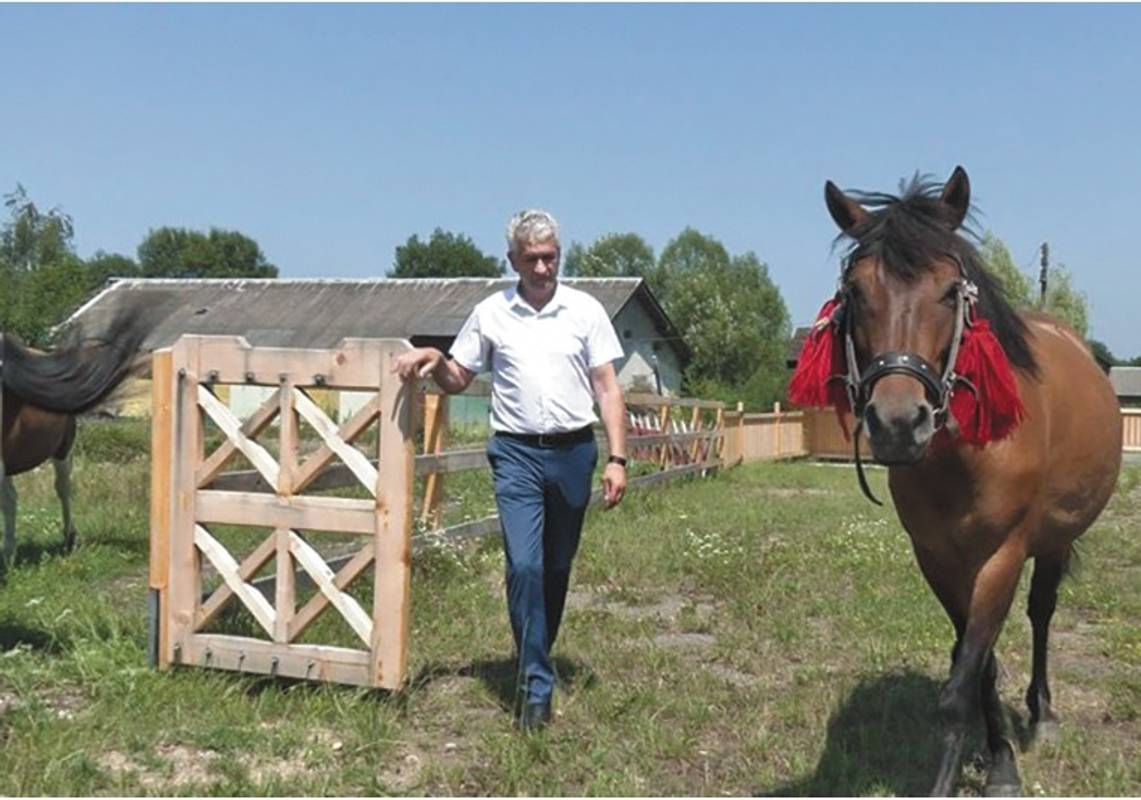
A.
x: 859, y: 385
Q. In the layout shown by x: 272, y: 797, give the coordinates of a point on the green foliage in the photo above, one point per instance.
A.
x: 731, y: 315
x: 1065, y: 302
x: 1102, y: 352
x: 1015, y: 284
x: 41, y: 278
x: 103, y: 266
x: 183, y: 253
x: 613, y: 255
x: 444, y: 255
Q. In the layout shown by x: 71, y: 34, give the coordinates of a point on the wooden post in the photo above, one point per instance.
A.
x: 777, y: 432
x: 717, y: 446
x: 161, y: 390
x: 740, y: 432
x: 392, y: 591
x: 663, y: 418
x: 435, y: 440
x: 695, y: 427
x: 184, y: 575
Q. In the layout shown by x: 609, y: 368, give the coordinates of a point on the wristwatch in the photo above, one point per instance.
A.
x: 619, y: 460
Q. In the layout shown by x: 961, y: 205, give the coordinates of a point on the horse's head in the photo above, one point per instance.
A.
x: 906, y: 297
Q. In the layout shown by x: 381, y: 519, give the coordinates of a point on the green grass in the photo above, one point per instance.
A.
x: 764, y: 631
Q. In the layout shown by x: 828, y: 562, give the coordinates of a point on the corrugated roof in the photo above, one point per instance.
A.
x: 1126, y: 381
x: 320, y: 312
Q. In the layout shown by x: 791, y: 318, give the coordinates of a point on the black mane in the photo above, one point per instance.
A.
x: 910, y: 232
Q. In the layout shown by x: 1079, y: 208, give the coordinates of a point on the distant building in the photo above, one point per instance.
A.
x: 1126, y: 385
x: 314, y: 313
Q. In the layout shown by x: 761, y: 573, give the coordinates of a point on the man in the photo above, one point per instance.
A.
x: 549, y: 349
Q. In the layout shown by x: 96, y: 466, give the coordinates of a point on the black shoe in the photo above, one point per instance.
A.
x: 535, y: 717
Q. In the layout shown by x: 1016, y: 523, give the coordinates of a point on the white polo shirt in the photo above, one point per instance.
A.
x: 540, y: 361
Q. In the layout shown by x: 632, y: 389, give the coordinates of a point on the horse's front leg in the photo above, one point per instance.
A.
x: 961, y: 697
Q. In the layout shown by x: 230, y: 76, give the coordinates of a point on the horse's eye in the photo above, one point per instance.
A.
x: 951, y: 298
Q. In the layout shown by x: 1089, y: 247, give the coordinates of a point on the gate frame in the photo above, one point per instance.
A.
x: 181, y: 379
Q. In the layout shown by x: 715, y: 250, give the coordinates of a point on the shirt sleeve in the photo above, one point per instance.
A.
x: 471, y: 349
x: 602, y: 341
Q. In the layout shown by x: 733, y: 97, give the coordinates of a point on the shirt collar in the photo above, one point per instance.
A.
x: 558, y: 300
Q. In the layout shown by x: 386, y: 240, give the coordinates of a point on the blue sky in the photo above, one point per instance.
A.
x: 331, y: 133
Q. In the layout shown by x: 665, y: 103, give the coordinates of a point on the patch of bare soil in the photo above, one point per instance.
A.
x: 187, y: 766
x: 8, y: 702
x: 402, y: 771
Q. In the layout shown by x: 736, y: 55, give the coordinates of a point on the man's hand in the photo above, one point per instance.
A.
x: 418, y: 363
x: 613, y: 485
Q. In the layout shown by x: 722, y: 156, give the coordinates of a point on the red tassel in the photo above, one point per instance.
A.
x: 999, y: 408
x: 821, y: 358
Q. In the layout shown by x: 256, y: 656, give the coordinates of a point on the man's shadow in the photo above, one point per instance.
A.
x: 500, y: 677
x: 884, y: 740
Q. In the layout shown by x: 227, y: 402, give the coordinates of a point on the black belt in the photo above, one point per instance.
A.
x: 557, y: 439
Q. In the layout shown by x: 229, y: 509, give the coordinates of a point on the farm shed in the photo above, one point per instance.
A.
x: 318, y: 313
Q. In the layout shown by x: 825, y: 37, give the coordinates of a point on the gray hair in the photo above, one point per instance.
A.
x: 532, y: 225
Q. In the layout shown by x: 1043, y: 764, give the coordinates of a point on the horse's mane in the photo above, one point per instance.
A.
x: 910, y: 232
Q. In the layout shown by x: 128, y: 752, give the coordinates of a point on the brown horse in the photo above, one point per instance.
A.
x: 40, y: 394
x: 975, y: 510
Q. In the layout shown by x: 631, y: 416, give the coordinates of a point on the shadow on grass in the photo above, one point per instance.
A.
x: 500, y: 678
x: 13, y: 634
x: 884, y: 740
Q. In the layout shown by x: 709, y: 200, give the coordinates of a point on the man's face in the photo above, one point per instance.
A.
x: 537, y: 264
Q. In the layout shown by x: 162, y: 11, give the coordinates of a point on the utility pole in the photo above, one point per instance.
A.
x: 1042, y: 275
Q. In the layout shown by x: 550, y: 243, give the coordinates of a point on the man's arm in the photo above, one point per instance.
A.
x: 612, y: 409
x: 424, y: 361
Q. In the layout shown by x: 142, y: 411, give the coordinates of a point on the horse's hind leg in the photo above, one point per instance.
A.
x: 61, y: 461
x: 8, y: 501
x: 63, y: 491
x: 1048, y: 574
x: 1002, y: 777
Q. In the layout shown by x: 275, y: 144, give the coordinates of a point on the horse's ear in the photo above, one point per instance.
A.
x: 844, y: 210
x: 957, y: 196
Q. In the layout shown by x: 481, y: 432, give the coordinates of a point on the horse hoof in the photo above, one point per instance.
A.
x: 1046, y: 731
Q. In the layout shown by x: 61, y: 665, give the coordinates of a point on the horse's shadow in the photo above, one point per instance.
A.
x: 884, y: 740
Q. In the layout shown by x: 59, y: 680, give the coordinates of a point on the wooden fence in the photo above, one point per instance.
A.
x: 764, y: 436
x: 1131, y: 430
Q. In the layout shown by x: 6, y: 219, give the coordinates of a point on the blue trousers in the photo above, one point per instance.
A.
x: 541, y: 494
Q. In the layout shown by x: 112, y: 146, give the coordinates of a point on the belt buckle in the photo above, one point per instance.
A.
x: 545, y: 441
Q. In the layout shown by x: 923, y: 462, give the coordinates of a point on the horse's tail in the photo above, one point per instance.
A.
x: 80, y: 374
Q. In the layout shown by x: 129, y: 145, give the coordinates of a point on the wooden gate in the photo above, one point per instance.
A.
x: 192, y: 507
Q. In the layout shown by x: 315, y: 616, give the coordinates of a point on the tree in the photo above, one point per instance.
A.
x: 1014, y: 283
x: 41, y: 278
x: 731, y: 315
x: 613, y: 255
x: 444, y: 255
x: 103, y: 266
x: 1102, y: 352
x: 183, y: 253
x: 1065, y: 302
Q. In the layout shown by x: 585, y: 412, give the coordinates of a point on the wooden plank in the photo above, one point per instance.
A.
x: 285, y: 586
x: 453, y: 461
x: 250, y: 565
x: 289, y: 440
x: 351, y: 364
x: 657, y: 400
x: 393, y: 565
x: 258, y: 456
x: 312, y: 562
x: 315, y: 464
x: 251, y: 428
x: 354, y: 459
x: 303, y: 661
x: 162, y: 388
x: 184, y: 576
x: 229, y: 570
x: 299, y: 513
x: 435, y: 429
x: 348, y: 568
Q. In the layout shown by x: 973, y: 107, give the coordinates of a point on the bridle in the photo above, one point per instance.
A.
x: 939, y: 388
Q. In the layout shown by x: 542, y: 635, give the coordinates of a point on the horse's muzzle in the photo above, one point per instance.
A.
x: 899, y: 432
